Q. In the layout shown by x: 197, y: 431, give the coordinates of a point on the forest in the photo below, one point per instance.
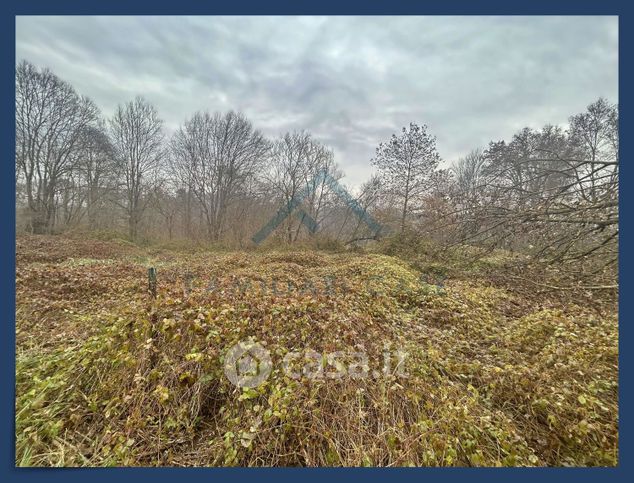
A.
x: 551, y: 193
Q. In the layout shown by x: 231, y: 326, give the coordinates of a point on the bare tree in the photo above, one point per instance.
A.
x: 594, y: 134
x: 50, y: 120
x: 217, y: 155
x: 468, y: 173
x: 353, y: 227
x: 289, y: 171
x: 550, y: 193
x: 299, y: 166
x: 137, y: 137
x: 166, y: 205
x: 406, y: 163
x: 97, y: 168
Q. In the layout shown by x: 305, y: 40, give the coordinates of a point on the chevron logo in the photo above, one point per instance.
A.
x: 293, y: 206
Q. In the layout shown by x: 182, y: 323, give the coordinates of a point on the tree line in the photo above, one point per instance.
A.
x: 551, y: 193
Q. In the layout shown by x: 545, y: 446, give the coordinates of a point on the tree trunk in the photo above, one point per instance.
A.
x: 133, y: 227
x: 404, y: 215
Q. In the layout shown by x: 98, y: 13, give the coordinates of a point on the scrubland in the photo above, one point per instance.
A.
x: 497, y: 371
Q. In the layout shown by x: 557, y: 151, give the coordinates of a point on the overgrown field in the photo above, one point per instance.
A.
x: 495, y: 375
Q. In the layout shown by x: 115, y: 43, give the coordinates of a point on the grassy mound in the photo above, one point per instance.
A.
x: 108, y: 376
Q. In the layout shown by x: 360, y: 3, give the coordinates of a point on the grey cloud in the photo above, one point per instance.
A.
x: 352, y: 81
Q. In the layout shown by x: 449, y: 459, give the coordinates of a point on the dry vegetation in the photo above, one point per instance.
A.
x: 499, y: 372
x: 496, y: 274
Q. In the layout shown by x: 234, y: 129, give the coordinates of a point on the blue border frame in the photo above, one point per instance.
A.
x: 10, y: 9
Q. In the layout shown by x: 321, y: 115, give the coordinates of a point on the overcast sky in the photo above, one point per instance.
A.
x: 351, y: 81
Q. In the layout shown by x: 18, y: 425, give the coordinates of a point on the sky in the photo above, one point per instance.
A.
x: 350, y: 81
